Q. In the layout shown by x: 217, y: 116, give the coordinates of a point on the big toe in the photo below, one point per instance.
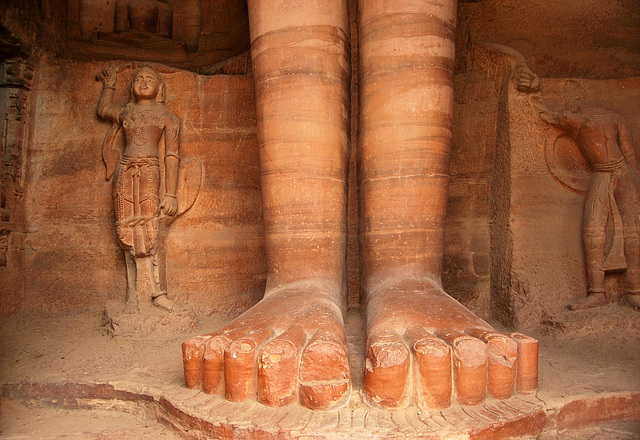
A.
x: 325, y: 377
x: 386, y: 371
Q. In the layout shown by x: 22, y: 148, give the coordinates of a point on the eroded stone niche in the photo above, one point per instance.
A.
x: 590, y: 40
x: 197, y: 34
x: 548, y: 178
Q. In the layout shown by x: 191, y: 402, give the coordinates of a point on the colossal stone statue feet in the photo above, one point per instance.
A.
x: 289, y: 347
x: 423, y: 347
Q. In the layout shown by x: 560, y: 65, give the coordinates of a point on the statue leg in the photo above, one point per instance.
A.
x: 594, y: 221
x: 420, y: 341
x: 593, y: 242
x: 159, y: 295
x: 291, y: 346
x: 131, y: 301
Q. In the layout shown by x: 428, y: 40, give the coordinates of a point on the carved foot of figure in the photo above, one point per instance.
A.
x: 595, y: 299
x: 162, y: 301
x: 424, y: 347
x: 289, y: 347
x: 633, y: 300
x: 131, y: 306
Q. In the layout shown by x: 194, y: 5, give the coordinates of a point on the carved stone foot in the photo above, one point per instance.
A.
x: 131, y: 307
x: 289, y: 347
x: 163, y: 302
x: 424, y: 347
x: 591, y: 301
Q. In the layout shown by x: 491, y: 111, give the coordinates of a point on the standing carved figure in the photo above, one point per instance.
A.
x: 611, y: 219
x: 144, y: 191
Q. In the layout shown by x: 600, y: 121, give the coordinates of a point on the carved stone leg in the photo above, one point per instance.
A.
x: 158, y: 295
x: 131, y: 302
x: 420, y: 341
x: 593, y: 236
x: 291, y: 346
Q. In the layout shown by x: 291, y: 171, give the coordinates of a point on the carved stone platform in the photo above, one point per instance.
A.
x: 76, y: 367
x: 215, y: 417
x: 197, y: 415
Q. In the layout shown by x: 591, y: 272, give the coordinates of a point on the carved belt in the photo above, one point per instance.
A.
x: 128, y: 162
x: 609, y: 167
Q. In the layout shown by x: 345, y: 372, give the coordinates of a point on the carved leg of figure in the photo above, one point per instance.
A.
x: 159, y: 296
x: 131, y: 301
x: 406, y: 62
x: 593, y: 235
x: 291, y: 345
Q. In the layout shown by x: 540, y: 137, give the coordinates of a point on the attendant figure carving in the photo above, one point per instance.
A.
x: 145, y: 183
x: 611, y: 215
x: 611, y: 218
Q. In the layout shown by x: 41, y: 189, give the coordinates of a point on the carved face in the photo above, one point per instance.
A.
x: 146, y: 84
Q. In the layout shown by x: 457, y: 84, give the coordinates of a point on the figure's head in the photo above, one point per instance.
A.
x: 147, y: 85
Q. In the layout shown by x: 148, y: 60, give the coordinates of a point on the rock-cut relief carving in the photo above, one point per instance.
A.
x: 146, y: 177
x: 141, y: 23
x: 611, y: 218
x: 611, y: 214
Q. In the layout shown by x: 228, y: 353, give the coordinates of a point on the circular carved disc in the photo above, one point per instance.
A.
x: 566, y: 164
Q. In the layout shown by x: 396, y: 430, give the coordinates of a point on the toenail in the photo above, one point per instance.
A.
x: 274, y: 358
x: 245, y: 347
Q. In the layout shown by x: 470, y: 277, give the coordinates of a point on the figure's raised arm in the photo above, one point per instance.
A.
x: 106, y: 110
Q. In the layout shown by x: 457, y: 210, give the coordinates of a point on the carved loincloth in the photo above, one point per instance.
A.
x: 136, y: 200
x: 605, y: 178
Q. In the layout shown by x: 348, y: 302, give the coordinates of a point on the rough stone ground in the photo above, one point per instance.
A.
x: 583, y: 356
